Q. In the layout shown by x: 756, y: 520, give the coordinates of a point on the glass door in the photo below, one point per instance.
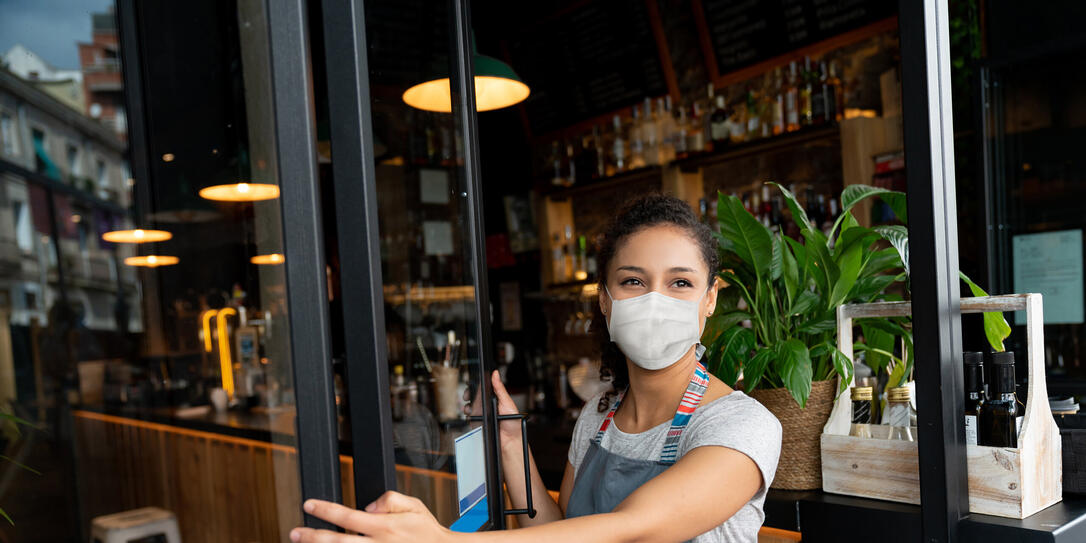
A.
x: 409, y: 260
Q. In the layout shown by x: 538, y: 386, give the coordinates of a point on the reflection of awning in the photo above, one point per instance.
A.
x: 51, y: 169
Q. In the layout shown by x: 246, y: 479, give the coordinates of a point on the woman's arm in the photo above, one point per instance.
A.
x: 702, y: 490
x: 512, y: 449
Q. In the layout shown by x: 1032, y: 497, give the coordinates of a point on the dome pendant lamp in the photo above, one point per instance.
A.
x: 496, y: 86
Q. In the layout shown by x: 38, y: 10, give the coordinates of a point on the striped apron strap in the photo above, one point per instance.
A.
x: 607, y: 420
x: 691, y: 398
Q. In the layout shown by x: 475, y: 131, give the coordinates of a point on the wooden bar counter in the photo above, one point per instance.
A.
x: 229, y: 477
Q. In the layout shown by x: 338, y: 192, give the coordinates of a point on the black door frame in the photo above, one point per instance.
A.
x: 355, y: 186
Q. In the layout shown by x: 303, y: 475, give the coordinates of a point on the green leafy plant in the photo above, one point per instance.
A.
x: 789, y: 292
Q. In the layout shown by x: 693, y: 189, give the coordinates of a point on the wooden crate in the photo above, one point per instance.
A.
x: 1006, y: 482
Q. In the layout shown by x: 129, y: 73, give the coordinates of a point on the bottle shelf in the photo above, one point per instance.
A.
x: 561, y: 193
x: 827, y: 132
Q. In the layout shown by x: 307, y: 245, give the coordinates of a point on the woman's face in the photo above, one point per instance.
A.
x: 659, y: 259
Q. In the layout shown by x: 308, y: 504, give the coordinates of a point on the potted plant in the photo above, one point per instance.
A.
x: 776, y: 318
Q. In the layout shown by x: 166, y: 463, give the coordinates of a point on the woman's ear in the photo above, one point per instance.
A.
x: 710, y: 298
x: 605, y: 302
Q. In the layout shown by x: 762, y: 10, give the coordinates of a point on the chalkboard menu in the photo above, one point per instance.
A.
x: 745, y: 32
x: 586, y: 62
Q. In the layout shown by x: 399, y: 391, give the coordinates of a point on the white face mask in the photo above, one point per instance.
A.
x: 654, y: 330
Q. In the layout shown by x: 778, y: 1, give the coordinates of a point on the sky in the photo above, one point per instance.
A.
x: 50, y: 28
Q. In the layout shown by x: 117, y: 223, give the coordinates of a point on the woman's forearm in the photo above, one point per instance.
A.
x: 513, y: 469
x: 603, y: 528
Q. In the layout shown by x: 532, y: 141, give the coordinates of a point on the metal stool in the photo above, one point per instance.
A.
x: 146, y: 525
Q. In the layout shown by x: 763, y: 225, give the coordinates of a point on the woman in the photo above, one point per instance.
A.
x: 670, y: 453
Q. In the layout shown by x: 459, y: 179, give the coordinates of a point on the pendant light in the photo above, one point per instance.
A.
x: 496, y: 86
x: 151, y: 261
x: 240, y: 192
x: 268, y: 259
x: 138, y: 235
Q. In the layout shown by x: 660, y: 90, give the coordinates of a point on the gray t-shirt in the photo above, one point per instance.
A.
x: 735, y: 421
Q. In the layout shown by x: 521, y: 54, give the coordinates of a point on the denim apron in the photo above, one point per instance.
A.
x: 605, y: 479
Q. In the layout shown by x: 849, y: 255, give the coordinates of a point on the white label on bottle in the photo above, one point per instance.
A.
x: 1017, y: 425
x: 971, y: 429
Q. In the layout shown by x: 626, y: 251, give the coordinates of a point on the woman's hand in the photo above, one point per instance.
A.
x: 509, y: 430
x: 394, y: 517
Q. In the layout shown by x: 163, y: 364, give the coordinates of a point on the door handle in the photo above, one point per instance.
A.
x: 530, y: 509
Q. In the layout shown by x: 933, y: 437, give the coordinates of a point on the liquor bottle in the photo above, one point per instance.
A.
x: 571, y: 165
x: 830, y: 93
x: 696, y: 133
x: 754, y: 117
x: 586, y: 161
x: 618, y: 146
x: 778, y: 103
x: 765, y: 107
x: 837, y: 98
x: 756, y: 207
x: 558, y: 260
x: 682, y: 132
x: 637, y: 143
x: 805, y: 88
x: 861, y: 412
x: 999, y: 421
x: 737, y: 121
x: 718, y: 124
x: 581, y: 263
x: 974, y: 394
x: 555, y: 160
x: 665, y: 125
x: 568, y: 252
x: 648, y: 134
x: 791, y: 100
x: 818, y: 95
x: 447, y: 158
x: 900, y: 413
x: 396, y: 393
x: 707, y: 117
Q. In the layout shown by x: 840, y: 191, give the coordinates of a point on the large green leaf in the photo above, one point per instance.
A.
x: 996, y: 328
x: 734, y: 347
x: 805, y: 303
x: 849, y: 266
x: 898, y: 236
x: 6, y: 517
x: 775, y: 262
x: 719, y: 322
x: 852, y: 195
x: 867, y: 288
x: 798, y: 215
x: 877, y: 338
x: 794, y: 367
x: 820, y: 263
x: 755, y: 368
x: 789, y: 273
x: 843, y: 367
x: 880, y: 261
x: 752, y: 240
x: 896, y: 201
x: 823, y: 323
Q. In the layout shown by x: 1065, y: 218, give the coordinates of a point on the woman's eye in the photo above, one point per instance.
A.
x: 631, y: 281
x: 683, y: 283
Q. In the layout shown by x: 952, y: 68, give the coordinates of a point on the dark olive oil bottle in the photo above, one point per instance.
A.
x: 999, y: 415
x: 974, y: 394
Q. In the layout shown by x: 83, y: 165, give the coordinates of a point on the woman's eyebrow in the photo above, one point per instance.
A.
x: 680, y: 269
x: 634, y: 269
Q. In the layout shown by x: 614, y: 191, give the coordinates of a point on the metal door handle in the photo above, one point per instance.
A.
x: 530, y: 510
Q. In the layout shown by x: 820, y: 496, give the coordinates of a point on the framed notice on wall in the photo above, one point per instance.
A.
x: 1050, y: 263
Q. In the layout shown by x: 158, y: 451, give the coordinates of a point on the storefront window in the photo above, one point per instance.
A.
x: 143, y: 316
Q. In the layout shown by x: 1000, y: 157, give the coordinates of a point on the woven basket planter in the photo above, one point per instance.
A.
x: 800, y: 466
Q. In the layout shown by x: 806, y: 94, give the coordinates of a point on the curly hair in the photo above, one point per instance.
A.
x: 636, y: 215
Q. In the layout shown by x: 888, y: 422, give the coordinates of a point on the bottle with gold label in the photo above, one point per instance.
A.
x: 861, y: 411
x: 899, y: 413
